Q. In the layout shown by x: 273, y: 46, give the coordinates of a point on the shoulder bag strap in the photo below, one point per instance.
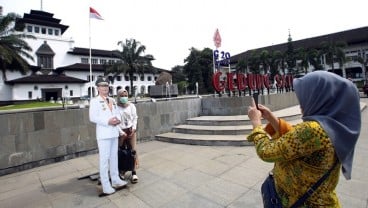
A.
x: 312, y: 189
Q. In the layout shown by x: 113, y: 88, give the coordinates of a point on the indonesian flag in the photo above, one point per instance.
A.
x: 94, y: 14
x: 217, y: 39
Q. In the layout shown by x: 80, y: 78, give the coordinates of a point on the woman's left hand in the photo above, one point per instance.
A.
x: 254, y: 114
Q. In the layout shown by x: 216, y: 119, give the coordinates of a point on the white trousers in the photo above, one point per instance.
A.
x: 108, y: 153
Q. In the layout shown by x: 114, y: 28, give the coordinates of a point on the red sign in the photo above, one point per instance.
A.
x: 217, y: 39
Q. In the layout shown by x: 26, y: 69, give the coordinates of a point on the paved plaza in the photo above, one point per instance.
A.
x: 171, y: 175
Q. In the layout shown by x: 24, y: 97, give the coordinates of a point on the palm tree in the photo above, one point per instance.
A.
x: 276, y: 60
x: 12, y: 46
x: 264, y: 58
x: 242, y: 65
x: 131, y: 61
x: 334, y: 52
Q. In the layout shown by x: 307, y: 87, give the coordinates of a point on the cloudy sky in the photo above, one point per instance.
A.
x: 169, y: 28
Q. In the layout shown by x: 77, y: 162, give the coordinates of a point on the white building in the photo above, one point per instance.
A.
x: 61, y: 70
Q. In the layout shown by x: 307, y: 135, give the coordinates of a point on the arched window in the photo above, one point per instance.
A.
x: 143, y: 89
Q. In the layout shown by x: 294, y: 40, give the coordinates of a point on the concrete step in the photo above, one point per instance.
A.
x: 288, y: 114
x: 206, y: 140
x: 222, y: 130
x: 218, y: 130
x: 213, y: 130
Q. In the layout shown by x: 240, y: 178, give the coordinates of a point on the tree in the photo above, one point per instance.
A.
x: 276, y: 58
x: 12, y: 46
x: 333, y: 50
x: 309, y: 57
x: 198, y: 68
x: 254, y: 62
x: 131, y: 61
x: 242, y: 65
x: 290, y: 56
x: 264, y: 58
x: 179, y: 77
x: 178, y: 74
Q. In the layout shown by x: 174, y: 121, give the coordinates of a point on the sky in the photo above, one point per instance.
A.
x: 169, y: 28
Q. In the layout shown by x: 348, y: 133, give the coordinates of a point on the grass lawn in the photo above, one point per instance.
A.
x: 29, y: 105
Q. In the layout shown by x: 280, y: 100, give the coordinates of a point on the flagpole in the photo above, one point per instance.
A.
x: 90, y: 57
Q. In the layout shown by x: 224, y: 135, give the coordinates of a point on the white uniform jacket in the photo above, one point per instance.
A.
x: 99, y: 113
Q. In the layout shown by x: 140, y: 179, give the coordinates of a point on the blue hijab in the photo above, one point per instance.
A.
x: 334, y: 103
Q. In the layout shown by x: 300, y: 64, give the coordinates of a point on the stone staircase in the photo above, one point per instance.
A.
x: 221, y: 130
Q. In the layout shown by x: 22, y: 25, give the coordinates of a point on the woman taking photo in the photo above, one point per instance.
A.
x: 324, y: 141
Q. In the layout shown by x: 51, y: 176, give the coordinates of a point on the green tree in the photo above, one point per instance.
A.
x: 276, y: 58
x: 199, y: 68
x: 309, y: 57
x: 178, y: 74
x: 264, y: 58
x: 290, y: 56
x: 242, y: 65
x: 12, y: 46
x: 131, y: 61
x: 179, y: 78
x: 254, y: 62
x: 334, y: 52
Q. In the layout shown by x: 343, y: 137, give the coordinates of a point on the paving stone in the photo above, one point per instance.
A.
x: 190, y: 200
x: 220, y: 191
x: 159, y: 193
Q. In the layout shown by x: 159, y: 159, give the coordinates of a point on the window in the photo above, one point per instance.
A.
x: 43, y: 30
x: 37, y: 29
x: 50, y: 31
x: 29, y: 28
x: 45, y: 61
x: 142, y: 78
x: 134, y: 78
x: 149, y: 78
x: 29, y: 94
x: 111, y: 62
x: 126, y: 78
x: 103, y: 61
x: 118, y: 78
x: 88, y: 78
x: 56, y: 32
x: 94, y: 61
x: 71, y: 93
x: 84, y: 60
x: 111, y: 79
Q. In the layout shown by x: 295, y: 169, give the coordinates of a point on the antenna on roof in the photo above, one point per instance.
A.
x: 41, y: 6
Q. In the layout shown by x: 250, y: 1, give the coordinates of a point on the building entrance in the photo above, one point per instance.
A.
x: 51, y: 94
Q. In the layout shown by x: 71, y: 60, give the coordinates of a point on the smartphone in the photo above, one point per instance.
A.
x: 255, y: 97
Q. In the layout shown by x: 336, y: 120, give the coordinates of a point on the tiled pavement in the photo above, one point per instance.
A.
x: 171, y: 175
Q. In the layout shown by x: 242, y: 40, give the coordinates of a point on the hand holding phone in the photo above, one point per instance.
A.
x: 255, y: 97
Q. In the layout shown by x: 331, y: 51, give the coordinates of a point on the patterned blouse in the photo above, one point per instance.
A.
x: 302, y: 154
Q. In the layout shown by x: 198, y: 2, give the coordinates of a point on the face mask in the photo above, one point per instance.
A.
x: 124, y: 100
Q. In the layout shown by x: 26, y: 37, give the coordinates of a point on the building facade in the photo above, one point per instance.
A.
x: 356, y: 53
x: 61, y: 70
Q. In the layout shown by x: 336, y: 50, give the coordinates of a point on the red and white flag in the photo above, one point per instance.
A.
x: 94, y: 14
x: 217, y: 39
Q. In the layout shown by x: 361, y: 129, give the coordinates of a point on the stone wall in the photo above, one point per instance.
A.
x: 32, y: 138
x: 238, y: 105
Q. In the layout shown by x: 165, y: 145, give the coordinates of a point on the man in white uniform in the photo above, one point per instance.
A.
x: 103, y: 112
